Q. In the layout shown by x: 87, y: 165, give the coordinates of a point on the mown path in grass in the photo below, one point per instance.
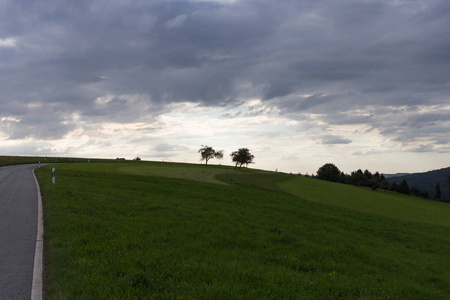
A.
x: 174, y: 170
x: 113, y: 234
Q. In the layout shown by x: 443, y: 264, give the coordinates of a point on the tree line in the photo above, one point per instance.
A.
x: 375, y: 181
x: 241, y: 157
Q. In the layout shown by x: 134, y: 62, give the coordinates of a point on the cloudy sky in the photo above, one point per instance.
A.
x: 359, y: 83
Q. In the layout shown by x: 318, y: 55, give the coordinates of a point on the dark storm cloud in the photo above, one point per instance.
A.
x: 324, y: 57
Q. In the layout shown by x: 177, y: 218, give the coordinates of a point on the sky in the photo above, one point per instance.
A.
x: 363, y: 84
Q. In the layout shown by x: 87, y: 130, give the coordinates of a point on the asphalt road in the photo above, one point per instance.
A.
x: 18, y: 228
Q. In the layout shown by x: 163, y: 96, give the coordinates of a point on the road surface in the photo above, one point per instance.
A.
x: 18, y: 228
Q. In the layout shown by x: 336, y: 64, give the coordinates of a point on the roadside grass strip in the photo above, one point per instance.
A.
x: 115, y: 233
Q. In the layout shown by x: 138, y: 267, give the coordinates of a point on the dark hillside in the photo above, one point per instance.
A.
x: 426, y: 181
x: 395, y: 175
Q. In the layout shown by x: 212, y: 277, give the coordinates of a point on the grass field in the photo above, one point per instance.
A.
x: 153, y: 230
x: 16, y: 160
x: 381, y: 203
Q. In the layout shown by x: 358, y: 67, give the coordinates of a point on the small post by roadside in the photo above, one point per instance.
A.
x: 39, y: 165
x: 53, y: 175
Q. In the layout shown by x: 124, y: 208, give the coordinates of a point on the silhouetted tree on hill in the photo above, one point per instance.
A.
x: 394, y: 187
x: 329, y: 172
x: 343, y: 178
x: 404, y: 188
x: 438, y: 191
x: 448, y: 183
x: 367, y: 174
x: 384, y: 184
x: 358, y: 178
x: 242, y: 156
x: 207, y: 153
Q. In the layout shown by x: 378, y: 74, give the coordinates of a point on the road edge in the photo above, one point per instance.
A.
x: 36, y: 289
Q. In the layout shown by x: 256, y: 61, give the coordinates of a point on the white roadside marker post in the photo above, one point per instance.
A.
x: 53, y: 175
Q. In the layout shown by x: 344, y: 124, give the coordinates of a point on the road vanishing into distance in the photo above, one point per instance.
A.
x: 18, y: 229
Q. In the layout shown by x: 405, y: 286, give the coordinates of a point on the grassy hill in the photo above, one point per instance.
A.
x: 380, y: 203
x: 16, y: 160
x: 162, y: 230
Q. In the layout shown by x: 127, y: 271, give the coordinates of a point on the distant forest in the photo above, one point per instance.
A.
x: 430, y: 185
x: 427, y: 181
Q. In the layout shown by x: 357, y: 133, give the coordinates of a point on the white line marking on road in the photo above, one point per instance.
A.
x: 36, y: 289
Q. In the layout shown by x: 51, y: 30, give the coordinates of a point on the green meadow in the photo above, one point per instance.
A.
x: 141, y: 230
x: 17, y: 160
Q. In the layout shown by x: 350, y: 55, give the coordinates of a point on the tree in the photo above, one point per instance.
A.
x: 329, y: 172
x: 438, y: 191
x: 137, y: 158
x: 242, y: 156
x: 342, y: 178
x: 368, y: 174
x: 416, y: 192
x: 448, y: 183
x: 384, y: 184
x: 404, y: 188
x: 358, y: 178
x: 394, y: 187
x: 207, y: 153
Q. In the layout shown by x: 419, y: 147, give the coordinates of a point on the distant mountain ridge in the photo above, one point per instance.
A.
x: 395, y: 175
x: 426, y: 181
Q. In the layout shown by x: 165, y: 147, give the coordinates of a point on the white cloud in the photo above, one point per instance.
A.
x: 104, y: 99
x: 10, y: 119
x: 176, y: 22
x: 8, y: 43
